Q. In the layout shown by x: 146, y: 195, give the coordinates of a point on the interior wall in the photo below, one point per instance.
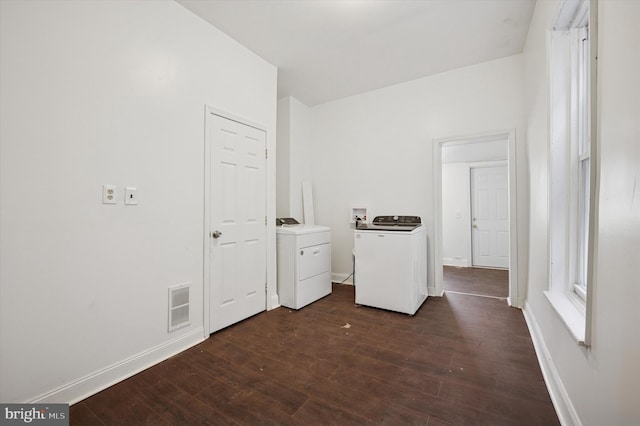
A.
x: 375, y: 149
x: 597, y: 385
x: 488, y: 148
x: 283, y: 158
x: 100, y: 93
x: 456, y: 219
x: 294, y: 156
x: 301, y: 159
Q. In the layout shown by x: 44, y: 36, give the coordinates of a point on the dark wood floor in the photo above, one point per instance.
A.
x: 460, y: 360
x: 481, y: 281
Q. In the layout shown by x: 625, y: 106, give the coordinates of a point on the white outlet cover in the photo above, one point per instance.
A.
x: 109, y: 194
x: 131, y: 196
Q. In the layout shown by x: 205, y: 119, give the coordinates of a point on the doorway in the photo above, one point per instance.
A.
x: 457, y: 162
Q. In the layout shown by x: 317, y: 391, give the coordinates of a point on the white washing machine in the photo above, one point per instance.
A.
x: 391, y: 263
x: 304, y: 262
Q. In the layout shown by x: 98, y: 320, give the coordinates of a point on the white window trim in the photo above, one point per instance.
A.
x: 567, y: 296
x: 580, y: 156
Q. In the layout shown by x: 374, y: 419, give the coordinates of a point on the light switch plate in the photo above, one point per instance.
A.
x: 131, y: 196
x: 109, y: 194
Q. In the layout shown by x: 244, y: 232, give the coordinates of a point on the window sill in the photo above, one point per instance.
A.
x: 570, y: 315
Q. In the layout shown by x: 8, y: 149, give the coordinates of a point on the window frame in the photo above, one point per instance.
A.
x: 573, y: 166
x: 581, y: 147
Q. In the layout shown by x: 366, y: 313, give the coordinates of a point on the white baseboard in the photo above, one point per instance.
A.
x: 431, y: 291
x: 457, y: 262
x: 93, y: 383
x: 275, y: 302
x: 567, y: 413
x: 342, y: 278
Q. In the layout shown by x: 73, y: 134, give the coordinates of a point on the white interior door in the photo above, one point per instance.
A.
x: 236, y: 221
x: 490, y: 216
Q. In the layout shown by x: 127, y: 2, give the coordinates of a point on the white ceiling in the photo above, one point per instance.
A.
x: 330, y: 49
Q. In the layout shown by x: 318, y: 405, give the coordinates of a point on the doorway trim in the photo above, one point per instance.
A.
x: 515, y: 293
x: 205, y: 209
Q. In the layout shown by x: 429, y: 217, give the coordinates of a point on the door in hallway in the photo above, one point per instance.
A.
x: 490, y: 216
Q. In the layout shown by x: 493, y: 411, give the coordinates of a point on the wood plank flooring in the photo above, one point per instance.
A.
x: 481, y: 281
x: 461, y: 360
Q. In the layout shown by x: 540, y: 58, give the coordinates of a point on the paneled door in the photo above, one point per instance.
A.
x: 236, y: 221
x: 490, y: 216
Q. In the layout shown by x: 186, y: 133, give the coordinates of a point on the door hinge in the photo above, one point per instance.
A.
x: 265, y: 288
x: 265, y: 221
x: 266, y: 153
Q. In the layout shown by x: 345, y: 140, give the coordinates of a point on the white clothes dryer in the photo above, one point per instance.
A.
x: 304, y: 262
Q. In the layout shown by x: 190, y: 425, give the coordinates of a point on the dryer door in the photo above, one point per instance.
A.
x: 314, y: 260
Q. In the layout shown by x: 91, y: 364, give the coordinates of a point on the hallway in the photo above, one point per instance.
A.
x: 477, y: 281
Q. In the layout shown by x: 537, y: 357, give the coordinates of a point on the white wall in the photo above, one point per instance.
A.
x: 100, y: 93
x: 599, y: 385
x: 475, y: 149
x: 376, y: 148
x: 456, y: 210
x: 294, y: 140
x: 283, y: 158
x: 301, y: 155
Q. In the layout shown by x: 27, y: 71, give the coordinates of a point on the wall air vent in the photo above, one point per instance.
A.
x: 178, y: 306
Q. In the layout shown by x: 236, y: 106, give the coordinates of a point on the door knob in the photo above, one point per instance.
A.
x: 216, y: 234
x: 475, y: 226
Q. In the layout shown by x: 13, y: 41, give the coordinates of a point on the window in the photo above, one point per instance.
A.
x: 571, y: 166
x: 582, y: 155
